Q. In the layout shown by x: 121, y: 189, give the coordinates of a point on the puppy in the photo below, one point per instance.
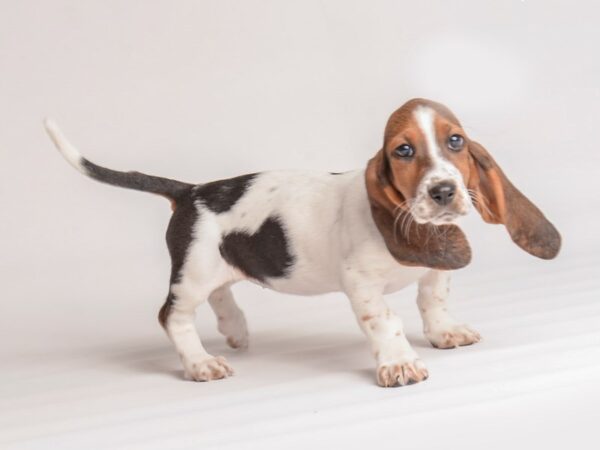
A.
x: 366, y: 233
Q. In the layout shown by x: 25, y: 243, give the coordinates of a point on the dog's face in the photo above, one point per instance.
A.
x: 429, y: 162
x: 430, y: 171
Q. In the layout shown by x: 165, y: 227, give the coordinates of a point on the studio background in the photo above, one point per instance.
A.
x: 203, y: 90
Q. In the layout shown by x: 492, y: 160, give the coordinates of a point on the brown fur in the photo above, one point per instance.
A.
x: 391, y: 182
x: 526, y: 224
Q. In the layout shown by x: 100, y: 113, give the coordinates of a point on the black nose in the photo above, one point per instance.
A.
x: 443, y: 193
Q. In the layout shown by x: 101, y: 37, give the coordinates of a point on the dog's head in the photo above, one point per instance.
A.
x: 430, y: 170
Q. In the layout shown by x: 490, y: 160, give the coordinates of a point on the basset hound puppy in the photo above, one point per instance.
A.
x: 366, y: 233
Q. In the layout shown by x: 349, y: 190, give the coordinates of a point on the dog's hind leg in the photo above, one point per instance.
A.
x: 231, y: 320
x: 197, y: 270
x: 177, y: 316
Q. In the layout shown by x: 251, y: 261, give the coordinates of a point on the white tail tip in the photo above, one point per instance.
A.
x: 70, y: 153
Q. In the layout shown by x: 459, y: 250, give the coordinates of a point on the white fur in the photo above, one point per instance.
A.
x: 231, y: 320
x: 336, y: 247
x: 423, y: 208
x: 426, y: 121
x: 70, y: 153
x: 439, y: 326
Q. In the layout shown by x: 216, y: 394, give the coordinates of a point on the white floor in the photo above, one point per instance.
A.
x: 111, y: 380
x: 200, y: 90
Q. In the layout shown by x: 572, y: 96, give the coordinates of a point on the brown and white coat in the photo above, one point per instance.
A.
x: 365, y: 233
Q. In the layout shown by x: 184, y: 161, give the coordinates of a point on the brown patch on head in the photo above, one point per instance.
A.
x: 403, y: 116
x: 444, y: 248
x: 392, y: 182
x: 366, y: 317
x: 402, y: 128
x: 402, y: 175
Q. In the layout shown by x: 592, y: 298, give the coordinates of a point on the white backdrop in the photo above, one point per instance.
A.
x: 201, y: 90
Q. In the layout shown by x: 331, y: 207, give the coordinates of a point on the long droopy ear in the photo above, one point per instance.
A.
x: 444, y: 247
x: 498, y: 201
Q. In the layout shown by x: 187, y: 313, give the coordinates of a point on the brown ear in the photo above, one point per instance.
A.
x: 498, y: 201
x: 444, y: 247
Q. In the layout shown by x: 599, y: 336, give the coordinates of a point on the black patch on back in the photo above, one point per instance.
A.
x: 220, y: 196
x: 179, y: 238
x: 264, y: 254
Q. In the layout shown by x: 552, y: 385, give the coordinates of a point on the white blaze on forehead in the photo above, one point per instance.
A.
x: 441, y: 169
x: 425, y: 118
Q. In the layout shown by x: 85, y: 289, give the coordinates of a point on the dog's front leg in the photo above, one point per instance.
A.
x: 440, y: 328
x: 397, y: 363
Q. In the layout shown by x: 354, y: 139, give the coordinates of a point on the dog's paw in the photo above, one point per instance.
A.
x: 238, y: 342
x: 210, y: 368
x: 235, y: 331
x: 453, y: 336
x: 401, y: 373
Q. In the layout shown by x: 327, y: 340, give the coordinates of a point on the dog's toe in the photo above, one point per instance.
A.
x: 452, y: 337
x: 210, y: 368
x: 401, y: 373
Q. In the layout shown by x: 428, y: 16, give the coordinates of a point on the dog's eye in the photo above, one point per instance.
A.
x: 404, y: 151
x: 456, y: 142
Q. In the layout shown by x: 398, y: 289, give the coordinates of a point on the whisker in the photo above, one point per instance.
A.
x: 404, y: 220
x: 406, y: 223
x: 412, y: 217
x: 399, y: 206
x: 485, y: 206
x: 407, y: 229
x: 397, y: 217
x: 430, y: 231
x: 479, y: 201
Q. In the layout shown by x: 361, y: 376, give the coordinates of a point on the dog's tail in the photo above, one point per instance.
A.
x: 171, y: 189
